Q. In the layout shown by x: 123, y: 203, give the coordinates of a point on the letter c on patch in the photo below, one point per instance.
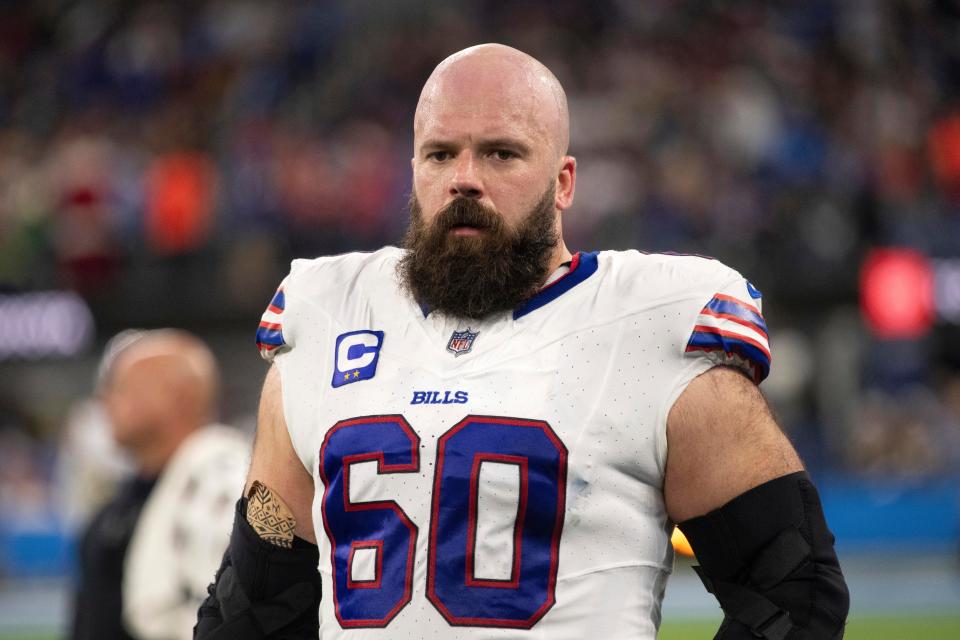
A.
x: 355, y: 356
x: 357, y: 351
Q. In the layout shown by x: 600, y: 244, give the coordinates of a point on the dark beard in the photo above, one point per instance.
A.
x: 472, y: 277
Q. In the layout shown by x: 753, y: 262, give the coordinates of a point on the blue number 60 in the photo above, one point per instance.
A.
x: 452, y: 587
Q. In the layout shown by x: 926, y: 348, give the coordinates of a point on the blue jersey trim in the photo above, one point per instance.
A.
x: 270, y: 336
x: 582, y: 267
x: 279, y: 300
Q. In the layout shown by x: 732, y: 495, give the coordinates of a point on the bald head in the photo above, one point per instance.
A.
x: 160, y: 388
x: 492, y: 128
x: 499, y: 78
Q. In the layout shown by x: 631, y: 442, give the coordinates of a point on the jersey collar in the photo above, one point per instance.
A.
x: 582, y: 266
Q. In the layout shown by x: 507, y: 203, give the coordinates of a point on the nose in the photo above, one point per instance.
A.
x: 466, y: 181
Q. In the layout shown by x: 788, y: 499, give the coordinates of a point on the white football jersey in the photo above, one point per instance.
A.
x: 500, y: 478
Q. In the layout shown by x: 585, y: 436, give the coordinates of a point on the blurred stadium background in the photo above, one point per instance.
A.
x: 161, y: 162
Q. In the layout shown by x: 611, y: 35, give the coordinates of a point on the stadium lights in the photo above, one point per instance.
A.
x: 946, y: 280
x: 903, y: 292
x: 50, y: 324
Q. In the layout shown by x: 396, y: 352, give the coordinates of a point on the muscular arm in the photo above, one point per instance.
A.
x: 275, y: 464
x: 721, y: 441
x: 738, y: 490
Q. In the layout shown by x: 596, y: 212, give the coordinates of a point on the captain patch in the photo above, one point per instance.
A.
x: 355, y: 356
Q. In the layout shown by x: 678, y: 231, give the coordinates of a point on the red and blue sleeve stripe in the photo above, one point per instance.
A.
x: 278, y: 302
x: 730, y: 308
x: 270, y: 335
x: 730, y: 331
x: 270, y: 331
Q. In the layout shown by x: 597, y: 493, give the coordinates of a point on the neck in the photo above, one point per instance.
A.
x: 560, y: 255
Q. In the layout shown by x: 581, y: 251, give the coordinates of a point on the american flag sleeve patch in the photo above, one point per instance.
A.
x: 270, y: 332
x: 732, y: 332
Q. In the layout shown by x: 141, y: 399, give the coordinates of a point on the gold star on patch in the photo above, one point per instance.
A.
x: 356, y: 374
x: 346, y: 376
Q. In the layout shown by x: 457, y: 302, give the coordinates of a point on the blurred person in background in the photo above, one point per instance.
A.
x: 148, y: 554
x: 90, y: 463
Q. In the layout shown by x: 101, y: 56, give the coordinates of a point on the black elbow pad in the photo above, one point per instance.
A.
x: 768, y: 557
x: 261, y: 590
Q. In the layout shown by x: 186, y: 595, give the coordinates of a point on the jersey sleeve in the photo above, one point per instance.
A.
x: 730, y: 330
x: 270, y: 334
x: 292, y: 337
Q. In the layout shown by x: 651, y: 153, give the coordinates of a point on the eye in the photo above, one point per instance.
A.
x: 438, y: 156
x: 504, y: 154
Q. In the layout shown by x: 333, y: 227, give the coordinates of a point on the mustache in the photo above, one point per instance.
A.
x: 465, y: 212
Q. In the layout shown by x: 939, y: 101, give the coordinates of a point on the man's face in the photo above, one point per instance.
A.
x: 482, y: 137
x: 133, y: 402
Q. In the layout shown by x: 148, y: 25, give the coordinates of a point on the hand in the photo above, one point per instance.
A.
x: 227, y: 613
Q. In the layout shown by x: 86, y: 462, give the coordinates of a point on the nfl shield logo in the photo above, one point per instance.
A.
x: 461, y: 342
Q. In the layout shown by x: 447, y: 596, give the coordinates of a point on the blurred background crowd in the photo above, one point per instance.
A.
x: 161, y: 163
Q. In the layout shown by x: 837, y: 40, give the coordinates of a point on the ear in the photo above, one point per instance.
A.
x: 566, y: 182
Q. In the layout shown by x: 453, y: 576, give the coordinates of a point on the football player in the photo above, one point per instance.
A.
x: 487, y: 435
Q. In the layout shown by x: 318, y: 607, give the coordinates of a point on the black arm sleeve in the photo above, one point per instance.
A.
x: 768, y: 557
x: 261, y: 590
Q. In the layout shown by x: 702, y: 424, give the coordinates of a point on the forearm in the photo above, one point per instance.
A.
x: 266, y: 584
x: 274, y: 462
x: 769, y: 559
